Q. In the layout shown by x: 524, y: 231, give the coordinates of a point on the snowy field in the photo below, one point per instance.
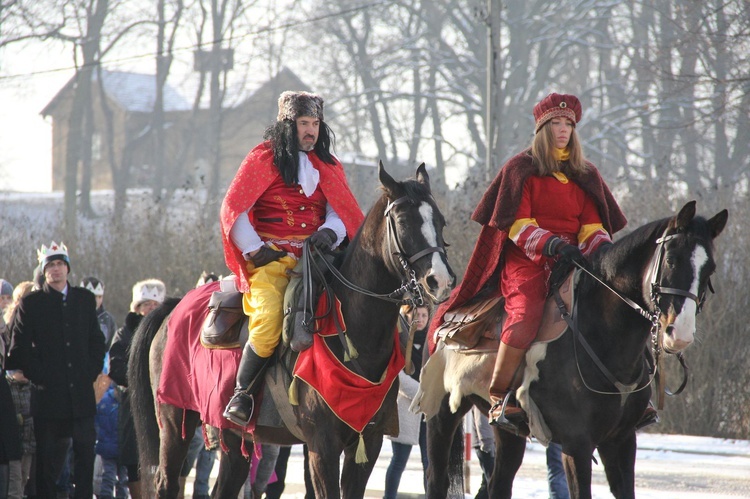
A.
x: 667, y: 467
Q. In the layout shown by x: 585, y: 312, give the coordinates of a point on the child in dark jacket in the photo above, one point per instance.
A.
x: 113, y: 475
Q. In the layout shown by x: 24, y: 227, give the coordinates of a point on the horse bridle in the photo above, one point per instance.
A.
x: 656, y: 292
x: 412, y: 285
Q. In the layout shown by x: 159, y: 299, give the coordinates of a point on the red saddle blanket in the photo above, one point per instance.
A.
x: 194, y: 377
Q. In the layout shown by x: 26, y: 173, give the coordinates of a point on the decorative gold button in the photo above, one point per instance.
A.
x: 563, y: 104
x: 301, y: 208
x: 303, y: 225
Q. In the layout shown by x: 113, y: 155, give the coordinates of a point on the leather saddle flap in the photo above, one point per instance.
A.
x: 225, y: 325
x: 467, y: 324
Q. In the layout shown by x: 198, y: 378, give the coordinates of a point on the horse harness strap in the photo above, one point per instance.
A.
x: 621, y: 387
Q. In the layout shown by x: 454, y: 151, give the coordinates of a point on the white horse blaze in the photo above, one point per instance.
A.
x: 438, y: 269
x: 684, y: 324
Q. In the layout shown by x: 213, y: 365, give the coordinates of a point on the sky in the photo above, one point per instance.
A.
x: 26, y: 137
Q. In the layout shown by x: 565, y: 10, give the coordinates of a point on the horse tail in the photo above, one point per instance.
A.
x: 456, y: 464
x: 140, y: 386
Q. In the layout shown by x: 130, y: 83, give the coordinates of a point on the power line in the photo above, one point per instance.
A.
x: 261, y: 31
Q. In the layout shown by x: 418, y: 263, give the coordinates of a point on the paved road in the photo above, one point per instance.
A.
x: 666, y: 467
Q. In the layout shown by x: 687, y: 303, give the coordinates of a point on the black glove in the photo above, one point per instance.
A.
x: 323, y: 239
x: 571, y: 253
x: 266, y: 255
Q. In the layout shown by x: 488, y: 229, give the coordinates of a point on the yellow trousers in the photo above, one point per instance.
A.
x: 265, y: 302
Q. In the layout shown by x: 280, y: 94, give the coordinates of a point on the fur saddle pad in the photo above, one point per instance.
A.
x: 476, y: 328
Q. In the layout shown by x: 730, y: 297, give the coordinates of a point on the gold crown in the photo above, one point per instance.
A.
x: 54, y: 249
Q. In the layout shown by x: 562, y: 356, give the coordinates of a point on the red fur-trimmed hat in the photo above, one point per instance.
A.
x: 555, y: 106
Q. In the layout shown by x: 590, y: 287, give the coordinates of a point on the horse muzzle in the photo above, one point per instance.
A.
x: 438, y: 285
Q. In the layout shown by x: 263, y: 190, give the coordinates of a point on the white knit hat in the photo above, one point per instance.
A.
x: 150, y: 289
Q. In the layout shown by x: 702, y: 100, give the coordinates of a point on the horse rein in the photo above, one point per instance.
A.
x: 410, y: 286
x: 656, y: 291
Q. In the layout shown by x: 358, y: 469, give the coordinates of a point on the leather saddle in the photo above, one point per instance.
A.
x: 476, y: 327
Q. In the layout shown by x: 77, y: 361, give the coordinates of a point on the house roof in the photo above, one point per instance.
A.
x: 134, y: 92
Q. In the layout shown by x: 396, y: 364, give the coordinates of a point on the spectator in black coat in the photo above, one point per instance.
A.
x: 147, y: 295
x: 57, y: 343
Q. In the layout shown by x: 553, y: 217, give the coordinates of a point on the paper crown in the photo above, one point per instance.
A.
x: 53, y: 252
x: 150, y: 289
x: 94, y: 285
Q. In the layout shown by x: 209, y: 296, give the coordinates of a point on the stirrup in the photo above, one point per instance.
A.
x: 648, y: 418
x: 517, y: 425
x: 240, y: 408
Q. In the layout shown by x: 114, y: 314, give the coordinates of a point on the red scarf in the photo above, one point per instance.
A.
x: 355, y: 400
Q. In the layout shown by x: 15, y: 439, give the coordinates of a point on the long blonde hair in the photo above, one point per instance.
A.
x: 21, y: 290
x: 543, y: 154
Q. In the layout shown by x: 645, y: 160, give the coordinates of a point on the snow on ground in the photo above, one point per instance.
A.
x: 667, y: 466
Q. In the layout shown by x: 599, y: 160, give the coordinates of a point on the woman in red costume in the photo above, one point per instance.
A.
x: 546, y: 203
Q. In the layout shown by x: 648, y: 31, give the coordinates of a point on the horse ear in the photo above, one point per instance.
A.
x: 422, y: 176
x: 718, y: 222
x: 685, y: 215
x: 386, y: 180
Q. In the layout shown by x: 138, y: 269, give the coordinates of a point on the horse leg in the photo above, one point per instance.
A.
x: 577, y: 464
x: 233, y: 467
x: 441, y: 430
x: 354, y: 476
x: 324, y: 470
x: 177, y: 427
x: 618, y: 458
x: 509, y: 451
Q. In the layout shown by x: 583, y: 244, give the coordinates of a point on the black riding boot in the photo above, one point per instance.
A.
x: 249, y: 376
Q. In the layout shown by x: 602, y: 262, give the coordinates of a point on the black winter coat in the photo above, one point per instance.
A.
x: 119, y: 354
x: 60, y: 348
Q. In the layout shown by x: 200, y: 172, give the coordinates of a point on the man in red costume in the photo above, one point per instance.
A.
x: 288, y: 188
x: 546, y: 203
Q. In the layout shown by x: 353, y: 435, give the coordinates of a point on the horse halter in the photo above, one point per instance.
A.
x: 657, y: 290
x: 410, y: 284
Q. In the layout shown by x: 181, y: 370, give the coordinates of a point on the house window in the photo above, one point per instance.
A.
x: 96, y: 146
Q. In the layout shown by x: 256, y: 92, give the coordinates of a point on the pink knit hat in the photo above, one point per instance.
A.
x: 555, y: 106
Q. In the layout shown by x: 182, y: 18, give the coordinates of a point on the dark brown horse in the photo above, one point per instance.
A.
x: 399, y: 246
x: 587, y: 389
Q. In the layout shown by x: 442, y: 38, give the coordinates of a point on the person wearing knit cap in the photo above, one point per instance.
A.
x: 546, y: 204
x: 6, y: 295
x: 288, y: 189
x: 147, y: 296
x: 57, y: 343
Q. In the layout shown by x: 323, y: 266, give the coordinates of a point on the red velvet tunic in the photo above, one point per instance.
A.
x: 559, y: 209
x: 286, y: 217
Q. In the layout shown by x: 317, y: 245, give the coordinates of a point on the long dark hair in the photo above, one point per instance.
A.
x: 283, y: 138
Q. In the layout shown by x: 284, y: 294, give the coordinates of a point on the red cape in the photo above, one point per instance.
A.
x: 496, y: 212
x: 255, y: 175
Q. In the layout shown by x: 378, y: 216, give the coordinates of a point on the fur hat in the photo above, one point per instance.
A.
x: 555, y: 106
x: 55, y: 252
x: 292, y: 105
x: 6, y: 288
x: 150, y: 289
x: 94, y: 285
